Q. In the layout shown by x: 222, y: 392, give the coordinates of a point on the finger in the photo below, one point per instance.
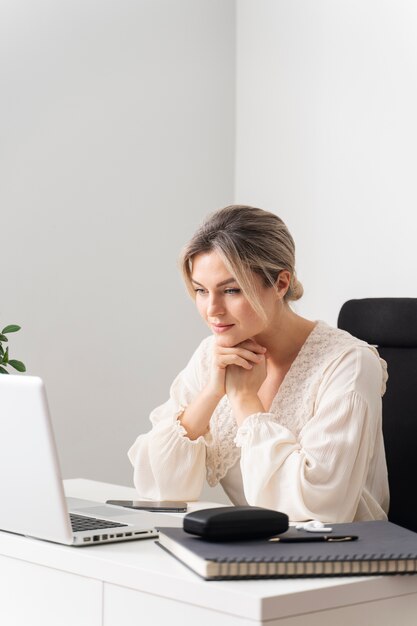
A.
x: 248, y: 355
x: 244, y: 346
x: 233, y: 359
x: 252, y: 345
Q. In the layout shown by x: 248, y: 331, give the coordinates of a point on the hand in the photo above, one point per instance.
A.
x: 245, y: 382
x: 243, y: 357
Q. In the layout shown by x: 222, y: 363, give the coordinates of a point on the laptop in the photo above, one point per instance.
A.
x: 32, y: 499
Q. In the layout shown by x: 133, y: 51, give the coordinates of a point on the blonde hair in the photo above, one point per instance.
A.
x: 249, y: 240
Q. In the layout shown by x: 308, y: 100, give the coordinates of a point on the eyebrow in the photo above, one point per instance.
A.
x: 224, y: 282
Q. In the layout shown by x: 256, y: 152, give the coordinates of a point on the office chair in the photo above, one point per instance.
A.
x: 391, y: 325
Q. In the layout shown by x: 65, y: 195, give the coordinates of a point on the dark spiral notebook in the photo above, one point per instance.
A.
x: 380, y: 548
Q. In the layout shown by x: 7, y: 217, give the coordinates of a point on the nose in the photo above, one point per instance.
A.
x: 214, y: 306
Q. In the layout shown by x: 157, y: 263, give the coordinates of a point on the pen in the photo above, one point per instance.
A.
x: 304, y: 539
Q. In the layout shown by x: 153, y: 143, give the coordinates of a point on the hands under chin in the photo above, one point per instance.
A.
x: 242, y: 387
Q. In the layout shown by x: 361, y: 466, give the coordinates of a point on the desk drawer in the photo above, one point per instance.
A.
x: 34, y: 595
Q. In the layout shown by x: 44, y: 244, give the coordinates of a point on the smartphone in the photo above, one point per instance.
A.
x: 163, y: 506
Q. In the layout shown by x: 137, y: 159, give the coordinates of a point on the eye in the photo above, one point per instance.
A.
x: 232, y: 291
x: 199, y: 290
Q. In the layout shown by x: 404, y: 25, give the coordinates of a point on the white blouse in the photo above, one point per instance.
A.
x: 317, y: 454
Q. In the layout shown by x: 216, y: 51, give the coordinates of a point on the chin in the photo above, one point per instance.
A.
x: 224, y: 343
x: 231, y: 341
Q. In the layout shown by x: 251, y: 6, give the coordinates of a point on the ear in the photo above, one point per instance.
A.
x: 283, y: 283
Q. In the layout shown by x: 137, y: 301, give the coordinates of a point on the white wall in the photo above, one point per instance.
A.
x: 117, y: 137
x: 327, y: 136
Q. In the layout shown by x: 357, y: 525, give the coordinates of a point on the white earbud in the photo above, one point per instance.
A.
x: 314, y: 526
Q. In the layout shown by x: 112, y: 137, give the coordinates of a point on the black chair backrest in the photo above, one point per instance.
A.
x: 391, y: 325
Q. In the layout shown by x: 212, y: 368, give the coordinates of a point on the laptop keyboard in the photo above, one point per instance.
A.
x: 81, y: 522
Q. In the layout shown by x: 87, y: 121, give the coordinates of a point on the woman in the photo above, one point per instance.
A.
x: 284, y: 412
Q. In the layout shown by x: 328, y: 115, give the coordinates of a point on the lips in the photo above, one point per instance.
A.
x: 221, y: 328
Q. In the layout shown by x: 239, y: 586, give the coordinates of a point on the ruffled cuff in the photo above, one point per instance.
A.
x: 250, y: 423
x: 207, y: 438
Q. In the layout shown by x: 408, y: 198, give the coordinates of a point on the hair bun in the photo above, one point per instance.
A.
x: 296, y: 289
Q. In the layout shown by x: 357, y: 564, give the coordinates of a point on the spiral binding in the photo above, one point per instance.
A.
x: 351, y: 565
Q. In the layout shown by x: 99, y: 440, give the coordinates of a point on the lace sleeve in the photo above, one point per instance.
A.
x: 334, y: 465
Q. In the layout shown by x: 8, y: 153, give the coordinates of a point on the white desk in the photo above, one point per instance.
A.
x: 136, y: 583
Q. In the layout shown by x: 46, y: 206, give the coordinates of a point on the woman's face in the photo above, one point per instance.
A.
x: 222, y: 304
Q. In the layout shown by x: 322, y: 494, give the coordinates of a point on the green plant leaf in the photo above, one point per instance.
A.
x: 3, y: 371
x: 1, y: 350
x: 6, y: 357
x: 3, y: 338
x: 12, y: 328
x: 18, y: 365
